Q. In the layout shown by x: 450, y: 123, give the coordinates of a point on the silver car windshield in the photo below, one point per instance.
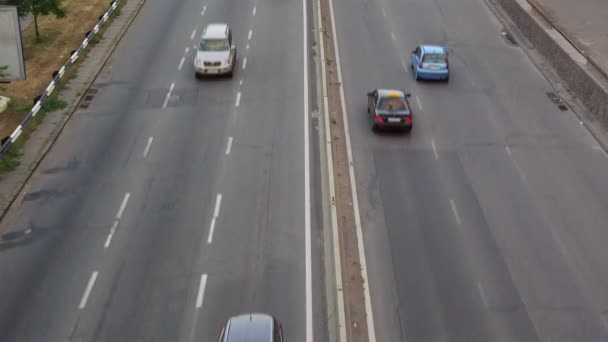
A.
x: 214, y: 45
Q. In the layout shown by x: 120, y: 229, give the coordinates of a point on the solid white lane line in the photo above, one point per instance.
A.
x: 150, y: 139
x: 168, y: 95
x: 229, y: 146
x: 216, y: 213
x: 112, y: 231
x: 371, y: 330
x: 123, y: 205
x: 307, y: 227
x: 482, y: 294
x: 203, y: 11
x: 87, y: 291
x: 201, y: 291
x: 393, y: 36
x: 181, y: 63
x: 455, y: 211
x: 254, y: 10
x: 244, y: 63
x: 418, y: 102
x: 508, y: 150
x: 434, y: 149
x: 238, y: 99
x: 249, y: 35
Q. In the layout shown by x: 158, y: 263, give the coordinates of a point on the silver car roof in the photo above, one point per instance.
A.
x: 215, y: 31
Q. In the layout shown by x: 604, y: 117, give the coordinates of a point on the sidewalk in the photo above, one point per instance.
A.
x: 42, y: 139
x: 584, y: 22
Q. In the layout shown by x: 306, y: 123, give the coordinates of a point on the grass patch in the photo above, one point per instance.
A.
x: 43, y: 56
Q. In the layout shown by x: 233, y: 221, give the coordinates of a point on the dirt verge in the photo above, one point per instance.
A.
x: 351, y: 267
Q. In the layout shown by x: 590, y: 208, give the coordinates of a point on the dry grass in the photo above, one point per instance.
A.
x: 58, y: 38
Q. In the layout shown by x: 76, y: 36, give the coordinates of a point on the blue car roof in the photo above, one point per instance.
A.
x: 433, y: 49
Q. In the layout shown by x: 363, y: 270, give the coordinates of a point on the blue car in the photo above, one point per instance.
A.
x: 430, y: 62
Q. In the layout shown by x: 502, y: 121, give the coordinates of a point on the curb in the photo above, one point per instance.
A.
x: 336, y: 313
x: 52, y: 138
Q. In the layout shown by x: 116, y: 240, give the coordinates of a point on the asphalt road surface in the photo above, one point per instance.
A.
x: 171, y: 203
x: 489, y: 222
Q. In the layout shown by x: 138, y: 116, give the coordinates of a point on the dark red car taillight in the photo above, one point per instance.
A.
x: 378, y: 119
x: 408, y: 119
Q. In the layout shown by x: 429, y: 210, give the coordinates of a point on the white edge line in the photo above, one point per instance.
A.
x: 332, y: 192
x: 229, y: 146
x: 238, y: 99
x: 201, y: 291
x: 150, y: 139
x: 307, y: 228
x: 435, y: 149
x: 111, y: 234
x: 87, y: 291
x: 455, y: 211
x: 371, y: 330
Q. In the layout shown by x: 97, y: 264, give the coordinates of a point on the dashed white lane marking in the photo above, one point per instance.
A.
x: 455, y: 211
x: 240, y: 83
x: 201, y: 291
x: 229, y: 146
x: 238, y: 99
x: 150, y: 139
x: 181, y: 63
x: 383, y: 13
x: 123, y: 205
x: 186, y: 51
x: 87, y: 291
x: 406, y: 67
x: 249, y: 35
x: 418, y: 102
x: 247, y: 47
x: 254, y: 10
x: 435, y: 149
x: 168, y: 95
x: 482, y: 294
x: 520, y: 172
x: 112, y: 231
x: 193, y: 33
x: 216, y: 213
x: 508, y: 149
x: 393, y: 36
x: 203, y: 11
x: 244, y: 63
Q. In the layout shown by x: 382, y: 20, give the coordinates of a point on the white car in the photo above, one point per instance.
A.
x: 216, y: 53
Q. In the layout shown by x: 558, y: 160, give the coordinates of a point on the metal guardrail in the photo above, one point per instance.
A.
x: 8, y: 141
x: 548, y: 19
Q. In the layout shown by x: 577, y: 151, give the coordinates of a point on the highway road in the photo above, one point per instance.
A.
x: 489, y: 221
x: 170, y: 203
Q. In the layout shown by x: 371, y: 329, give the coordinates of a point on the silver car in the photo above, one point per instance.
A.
x: 216, y: 53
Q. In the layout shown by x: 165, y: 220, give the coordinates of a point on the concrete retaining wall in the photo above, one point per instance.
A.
x: 570, y: 65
